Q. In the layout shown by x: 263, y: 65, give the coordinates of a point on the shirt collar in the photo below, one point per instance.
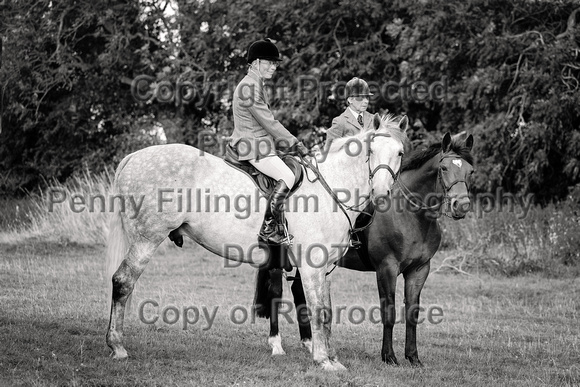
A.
x: 355, y: 114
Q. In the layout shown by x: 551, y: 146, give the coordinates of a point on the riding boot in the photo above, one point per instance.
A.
x: 273, y: 230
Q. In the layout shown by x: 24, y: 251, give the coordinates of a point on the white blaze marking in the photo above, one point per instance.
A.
x: 457, y: 162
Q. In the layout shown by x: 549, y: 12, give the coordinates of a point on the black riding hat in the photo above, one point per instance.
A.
x: 263, y: 49
x: 357, y: 87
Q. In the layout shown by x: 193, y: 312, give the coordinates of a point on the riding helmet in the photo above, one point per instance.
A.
x: 357, y: 87
x: 263, y: 49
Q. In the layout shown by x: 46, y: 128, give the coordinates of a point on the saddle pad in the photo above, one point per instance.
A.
x: 264, y: 183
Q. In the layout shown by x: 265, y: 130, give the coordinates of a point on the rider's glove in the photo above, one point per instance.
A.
x: 301, y: 149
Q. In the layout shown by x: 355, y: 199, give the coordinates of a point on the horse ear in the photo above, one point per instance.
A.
x: 404, y: 124
x: 469, y: 142
x: 377, y: 121
x: 446, y: 142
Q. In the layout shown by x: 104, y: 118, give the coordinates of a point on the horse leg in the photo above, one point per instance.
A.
x: 124, y: 280
x: 275, y: 295
x: 327, y: 327
x: 317, y: 299
x: 267, y: 302
x: 387, y: 283
x: 302, y: 312
x: 414, y: 281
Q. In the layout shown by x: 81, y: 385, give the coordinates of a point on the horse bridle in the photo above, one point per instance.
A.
x: 447, y: 188
x: 372, y: 173
x: 380, y: 166
x: 407, y: 194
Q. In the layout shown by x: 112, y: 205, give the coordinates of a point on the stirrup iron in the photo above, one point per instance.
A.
x: 354, y: 242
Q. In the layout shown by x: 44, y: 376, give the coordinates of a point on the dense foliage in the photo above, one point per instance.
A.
x: 508, y: 72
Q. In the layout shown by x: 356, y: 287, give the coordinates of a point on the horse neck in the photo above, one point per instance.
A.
x: 349, y: 173
x: 422, y: 182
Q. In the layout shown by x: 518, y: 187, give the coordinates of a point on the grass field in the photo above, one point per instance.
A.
x: 519, y: 331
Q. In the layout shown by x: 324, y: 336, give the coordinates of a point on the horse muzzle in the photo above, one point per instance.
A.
x: 459, y: 207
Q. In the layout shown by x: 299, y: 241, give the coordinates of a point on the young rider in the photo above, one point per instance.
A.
x: 355, y: 118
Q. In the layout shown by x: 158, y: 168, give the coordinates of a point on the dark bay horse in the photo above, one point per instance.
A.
x: 400, y: 240
x: 182, y: 191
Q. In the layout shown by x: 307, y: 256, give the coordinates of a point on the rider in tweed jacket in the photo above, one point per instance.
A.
x: 257, y: 135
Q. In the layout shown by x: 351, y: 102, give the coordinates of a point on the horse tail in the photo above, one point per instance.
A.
x: 262, y: 302
x: 117, y: 241
x: 268, y: 291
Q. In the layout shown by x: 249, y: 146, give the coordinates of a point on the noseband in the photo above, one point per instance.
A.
x: 446, y: 188
x: 373, y: 172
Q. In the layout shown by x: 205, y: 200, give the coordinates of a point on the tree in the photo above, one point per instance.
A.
x: 64, y: 107
x: 506, y: 71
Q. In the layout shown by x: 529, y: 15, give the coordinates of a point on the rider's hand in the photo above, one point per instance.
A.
x: 302, y: 150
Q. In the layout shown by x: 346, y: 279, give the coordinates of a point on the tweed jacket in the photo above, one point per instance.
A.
x: 346, y: 125
x: 256, y: 132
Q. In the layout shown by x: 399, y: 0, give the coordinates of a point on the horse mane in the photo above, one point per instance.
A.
x: 420, y: 156
x: 389, y: 125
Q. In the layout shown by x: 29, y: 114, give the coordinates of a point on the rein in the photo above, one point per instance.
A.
x: 343, y: 208
x: 318, y: 176
x: 307, y: 164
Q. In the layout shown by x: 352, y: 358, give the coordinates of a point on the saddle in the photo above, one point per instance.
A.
x: 264, y: 183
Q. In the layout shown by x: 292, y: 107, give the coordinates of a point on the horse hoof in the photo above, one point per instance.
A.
x: 307, y: 344
x: 276, y: 345
x: 415, y: 362
x: 338, y: 365
x: 332, y: 365
x: 327, y: 366
x: 120, y: 354
x: 392, y: 360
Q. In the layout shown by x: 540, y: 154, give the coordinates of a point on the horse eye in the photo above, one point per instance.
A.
x: 401, y: 153
x: 444, y: 168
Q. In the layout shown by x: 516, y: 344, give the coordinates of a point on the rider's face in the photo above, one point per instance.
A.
x: 359, y: 104
x: 267, y: 68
